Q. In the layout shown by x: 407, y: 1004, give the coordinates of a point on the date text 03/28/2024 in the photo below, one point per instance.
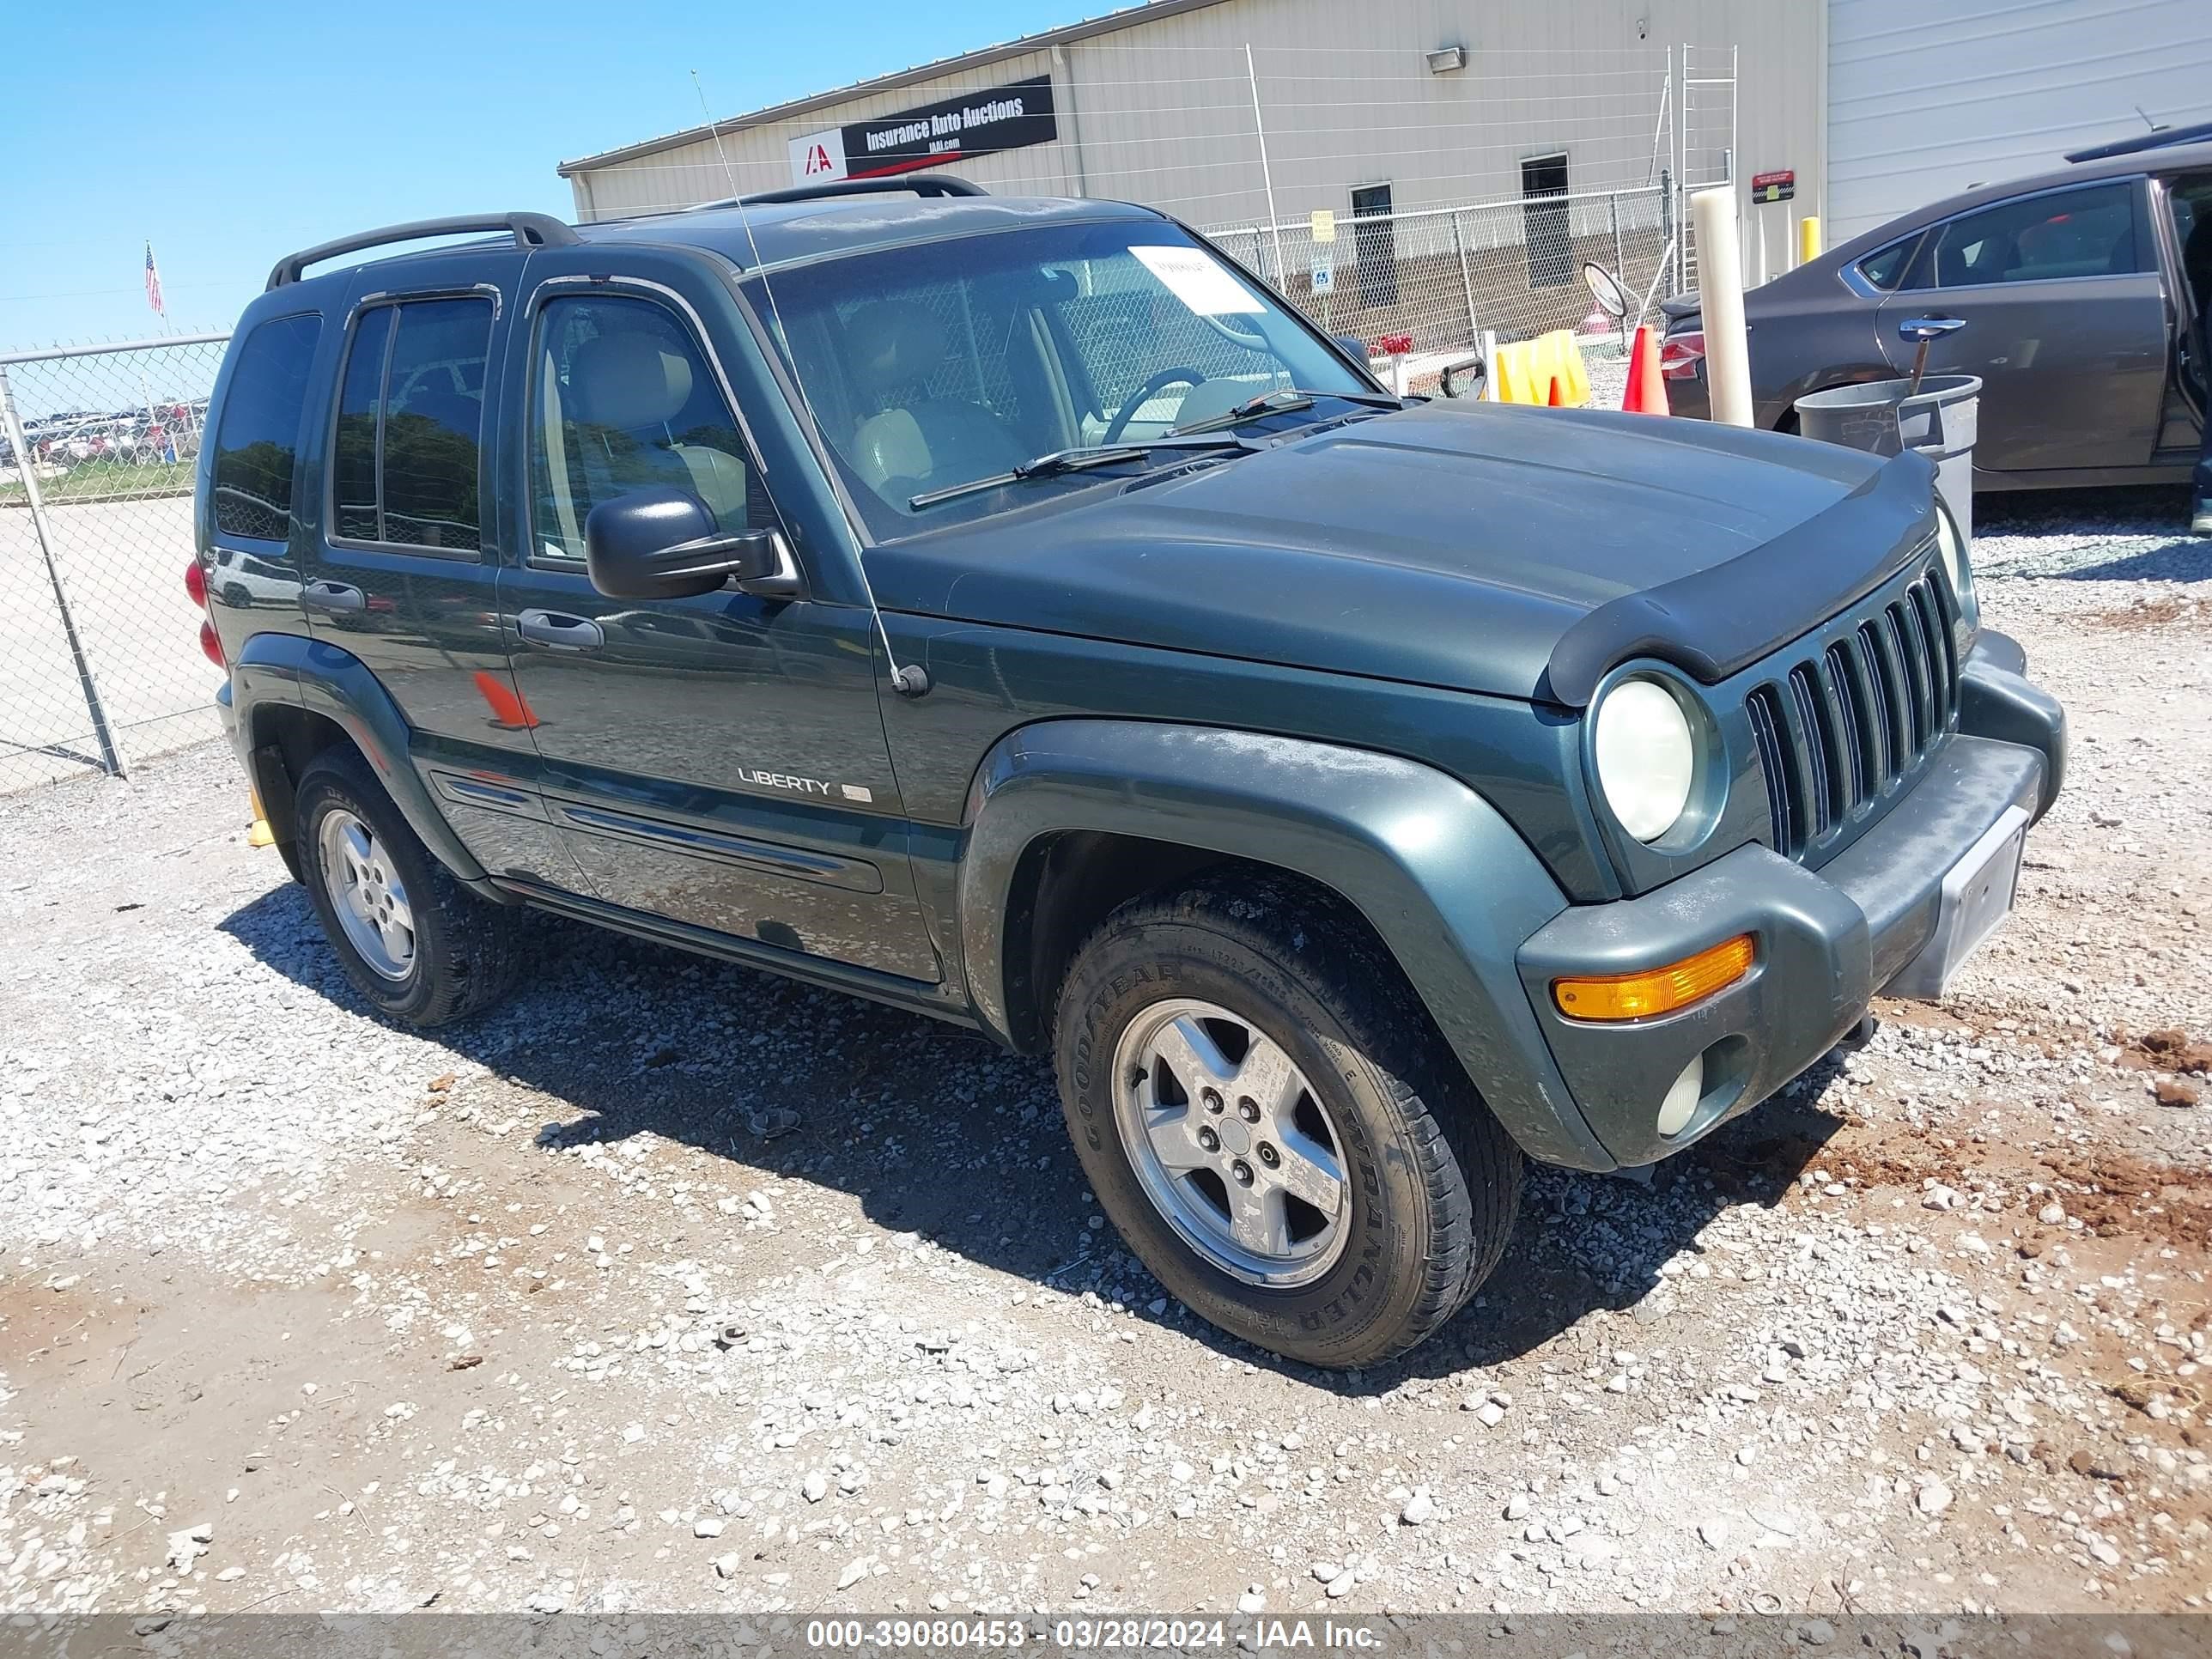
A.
x: 1108, y: 1634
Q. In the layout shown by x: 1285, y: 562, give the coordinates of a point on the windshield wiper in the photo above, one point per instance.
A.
x: 1286, y: 400
x: 1060, y: 461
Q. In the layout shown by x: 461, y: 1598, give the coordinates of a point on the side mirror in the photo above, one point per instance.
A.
x: 1354, y: 348
x: 1464, y: 378
x: 661, y: 543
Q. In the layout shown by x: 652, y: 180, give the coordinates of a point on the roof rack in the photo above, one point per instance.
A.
x: 528, y: 229
x: 907, y: 184
x: 2199, y: 134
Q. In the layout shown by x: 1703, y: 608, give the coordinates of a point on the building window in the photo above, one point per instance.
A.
x: 1374, y: 246
x: 1544, y: 213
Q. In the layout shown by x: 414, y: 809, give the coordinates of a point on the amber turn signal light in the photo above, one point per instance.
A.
x: 1656, y: 990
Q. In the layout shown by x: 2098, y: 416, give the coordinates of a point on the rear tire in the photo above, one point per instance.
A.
x: 418, y: 945
x: 1350, y: 1080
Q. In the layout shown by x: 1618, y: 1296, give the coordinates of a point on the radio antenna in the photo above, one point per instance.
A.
x: 912, y: 680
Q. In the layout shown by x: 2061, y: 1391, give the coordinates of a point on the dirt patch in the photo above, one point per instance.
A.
x: 2156, y: 611
x: 2113, y: 1192
x: 2170, y: 1050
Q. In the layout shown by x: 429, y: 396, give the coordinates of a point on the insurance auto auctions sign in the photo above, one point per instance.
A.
x: 974, y: 123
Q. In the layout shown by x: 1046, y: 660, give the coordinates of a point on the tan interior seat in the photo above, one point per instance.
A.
x: 914, y: 440
x: 627, y: 388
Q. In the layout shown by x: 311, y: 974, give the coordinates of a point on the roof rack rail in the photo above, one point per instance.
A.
x: 528, y: 229
x: 2201, y: 133
x: 917, y: 184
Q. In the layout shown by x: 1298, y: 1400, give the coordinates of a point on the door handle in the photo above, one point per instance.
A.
x: 334, y: 598
x: 556, y: 632
x: 1924, y: 329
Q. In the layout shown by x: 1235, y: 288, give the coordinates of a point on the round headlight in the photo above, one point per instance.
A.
x: 1646, y: 757
x: 1951, y: 548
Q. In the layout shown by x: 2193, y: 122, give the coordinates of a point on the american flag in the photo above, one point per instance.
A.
x: 154, y: 282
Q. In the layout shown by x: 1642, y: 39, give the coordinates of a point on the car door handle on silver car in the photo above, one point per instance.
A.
x: 556, y: 632
x: 334, y: 598
x: 1924, y: 329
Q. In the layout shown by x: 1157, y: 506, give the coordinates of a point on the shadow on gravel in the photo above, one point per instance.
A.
x: 2071, y: 519
x: 940, y: 1133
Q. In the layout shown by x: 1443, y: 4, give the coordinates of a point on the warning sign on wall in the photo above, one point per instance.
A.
x: 1777, y: 186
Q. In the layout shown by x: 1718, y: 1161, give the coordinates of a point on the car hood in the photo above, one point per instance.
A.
x: 1482, y: 547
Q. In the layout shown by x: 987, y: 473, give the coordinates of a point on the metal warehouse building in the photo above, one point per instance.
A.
x: 1479, y: 150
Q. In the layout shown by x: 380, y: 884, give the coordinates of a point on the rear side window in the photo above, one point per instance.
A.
x: 256, y: 444
x: 1884, y: 267
x: 408, y: 440
x: 2090, y: 232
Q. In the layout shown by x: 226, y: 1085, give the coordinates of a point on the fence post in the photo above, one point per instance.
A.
x: 1620, y: 259
x: 109, y: 755
x: 1466, y: 279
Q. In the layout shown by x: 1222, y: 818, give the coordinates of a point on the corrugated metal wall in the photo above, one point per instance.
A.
x: 1926, y: 97
x: 1162, y: 110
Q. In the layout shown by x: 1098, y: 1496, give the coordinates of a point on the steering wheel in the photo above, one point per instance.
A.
x: 1144, y: 394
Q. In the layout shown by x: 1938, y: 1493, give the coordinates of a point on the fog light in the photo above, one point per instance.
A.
x: 1656, y: 990
x: 1681, y: 1102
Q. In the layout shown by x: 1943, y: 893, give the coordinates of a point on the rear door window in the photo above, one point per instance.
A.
x: 2090, y: 232
x: 256, y: 445
x: 408, y: 442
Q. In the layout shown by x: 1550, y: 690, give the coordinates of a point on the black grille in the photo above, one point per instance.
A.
x: 1840, y: 725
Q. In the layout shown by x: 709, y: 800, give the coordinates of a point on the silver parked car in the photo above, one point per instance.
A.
x: 2068, y: 292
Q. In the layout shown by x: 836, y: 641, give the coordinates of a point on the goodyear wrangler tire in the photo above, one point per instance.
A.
x: 1267, y: 1114
x: 416, y: 943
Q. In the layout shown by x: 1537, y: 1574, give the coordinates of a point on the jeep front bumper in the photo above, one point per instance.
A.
x: 1875, y: 915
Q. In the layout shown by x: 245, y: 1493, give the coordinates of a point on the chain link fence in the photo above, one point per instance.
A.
x: 1442, y: 277
x: 100, y: 657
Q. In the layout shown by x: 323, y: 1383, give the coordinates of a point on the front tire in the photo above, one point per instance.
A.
x: 416, y: 945
x: 1269, y: 1117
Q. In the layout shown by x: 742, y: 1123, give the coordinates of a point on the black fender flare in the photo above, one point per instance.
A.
x: 1436, y: 871
x: 279, y: 669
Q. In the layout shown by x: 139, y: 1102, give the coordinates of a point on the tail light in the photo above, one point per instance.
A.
x: 196, y: 585
x: 1680, y: 354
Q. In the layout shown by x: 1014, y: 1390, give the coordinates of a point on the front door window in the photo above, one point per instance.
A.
x: 624, y: 400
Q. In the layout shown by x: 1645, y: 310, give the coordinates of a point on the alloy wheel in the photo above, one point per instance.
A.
x: 367, y: 895
x: 1231, y: 1142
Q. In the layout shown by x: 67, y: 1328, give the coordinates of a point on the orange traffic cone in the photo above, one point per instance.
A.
x: 1647, y: 387
x: 1558, y: 397
x: 509, y: 713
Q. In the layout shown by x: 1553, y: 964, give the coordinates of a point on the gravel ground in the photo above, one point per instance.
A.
x: 672, y: 1286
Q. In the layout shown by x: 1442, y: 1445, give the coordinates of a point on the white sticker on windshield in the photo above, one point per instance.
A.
x: 1198, y: 279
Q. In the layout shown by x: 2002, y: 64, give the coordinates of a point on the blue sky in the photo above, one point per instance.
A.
x: 230, y: 134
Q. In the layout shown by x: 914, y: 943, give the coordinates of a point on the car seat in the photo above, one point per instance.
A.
x: 916, y: 441
x: 626, y: 390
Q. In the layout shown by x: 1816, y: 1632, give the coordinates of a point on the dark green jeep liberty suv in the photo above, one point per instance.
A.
x: 1011, y: 609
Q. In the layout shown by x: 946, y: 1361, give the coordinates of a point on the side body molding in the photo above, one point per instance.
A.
x: 276, y: 668
x: 1442, y: 876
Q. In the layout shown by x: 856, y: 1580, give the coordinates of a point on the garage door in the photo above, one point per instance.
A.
x: 1926, y: 97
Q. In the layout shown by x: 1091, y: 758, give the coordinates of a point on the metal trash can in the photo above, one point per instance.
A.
x: 1887, y: 417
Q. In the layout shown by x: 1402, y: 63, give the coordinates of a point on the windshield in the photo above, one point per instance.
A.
x: 939, y: 365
